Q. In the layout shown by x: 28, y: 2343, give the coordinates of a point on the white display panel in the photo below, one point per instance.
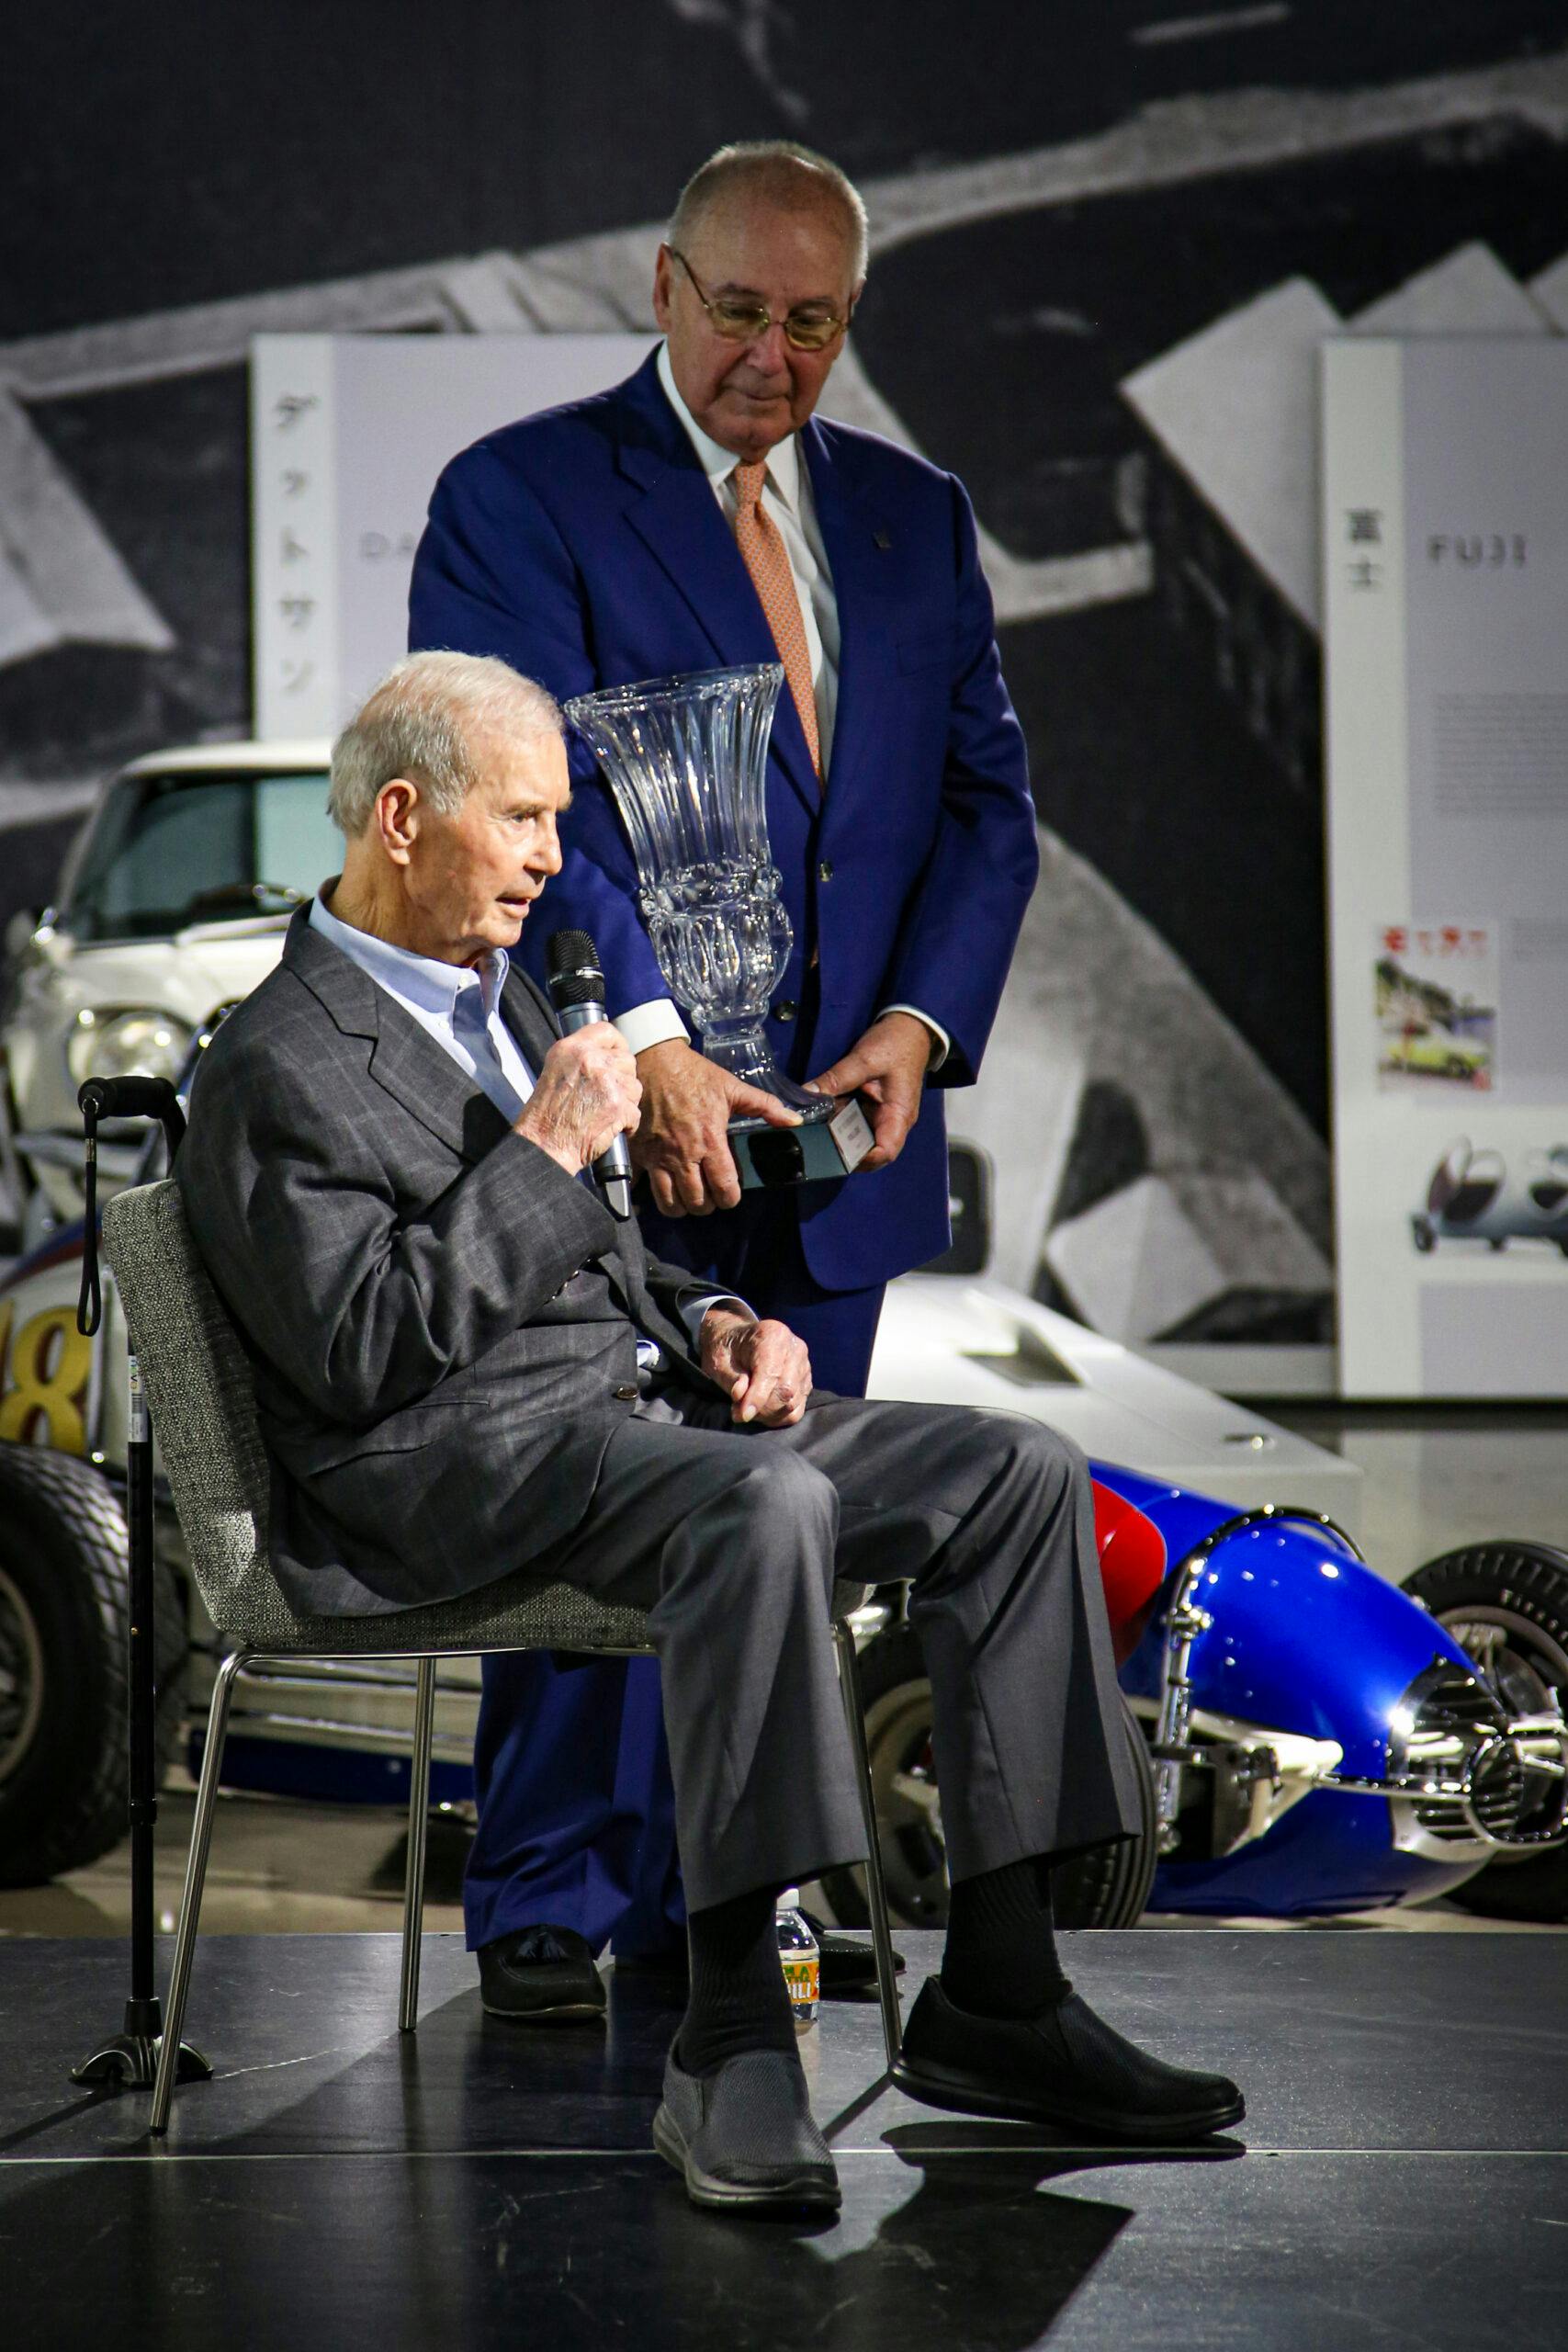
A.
x: 348, y: 434
x: 1446, y: 601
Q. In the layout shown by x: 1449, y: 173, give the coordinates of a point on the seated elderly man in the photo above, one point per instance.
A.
x: 467, y: 1365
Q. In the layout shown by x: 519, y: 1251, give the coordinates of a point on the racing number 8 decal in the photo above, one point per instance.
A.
x: 45, y: 1381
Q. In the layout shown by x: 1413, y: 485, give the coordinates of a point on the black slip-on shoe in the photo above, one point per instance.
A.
x: 847, y: 1967
x: 541, y: 1976
x: 1065, y: 2067
x: 743, y: 2138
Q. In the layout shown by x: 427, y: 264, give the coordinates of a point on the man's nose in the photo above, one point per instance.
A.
x: 548, y: 853
x: 769, y: 352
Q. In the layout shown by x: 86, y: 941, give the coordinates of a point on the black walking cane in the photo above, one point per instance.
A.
x: 130, y: 2057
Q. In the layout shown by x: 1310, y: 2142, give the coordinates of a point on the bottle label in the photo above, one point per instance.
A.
x: 802, y: 1976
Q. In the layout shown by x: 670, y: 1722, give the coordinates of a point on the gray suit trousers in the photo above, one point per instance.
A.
x: 732, y: 1540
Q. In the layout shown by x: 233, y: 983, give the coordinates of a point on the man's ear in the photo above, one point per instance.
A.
x: 397, y: 818
x: 664, y: 273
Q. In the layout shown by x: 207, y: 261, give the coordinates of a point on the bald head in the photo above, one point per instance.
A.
x: 774, y: 230
x: 778, y: 177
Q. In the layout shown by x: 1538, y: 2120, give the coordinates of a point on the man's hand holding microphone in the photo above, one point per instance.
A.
x: 586, y: 1094
x: 594, y: 1095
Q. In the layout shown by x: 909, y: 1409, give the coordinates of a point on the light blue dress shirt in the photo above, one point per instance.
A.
x: 459, y: 1006
x: 455, y: 1004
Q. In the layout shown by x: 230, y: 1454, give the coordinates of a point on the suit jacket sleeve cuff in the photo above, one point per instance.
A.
x: 692, y: 1310
x: 654, y: 1023
x: 942, y: 1042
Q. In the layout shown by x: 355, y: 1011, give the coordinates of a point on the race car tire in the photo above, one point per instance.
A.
x: 64, y: 1597
x: 1109, y: 1886
x: 1106, y: 1886
x: 1520, y: 1591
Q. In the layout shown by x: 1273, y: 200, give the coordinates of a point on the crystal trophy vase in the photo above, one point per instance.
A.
x: 686, y: 759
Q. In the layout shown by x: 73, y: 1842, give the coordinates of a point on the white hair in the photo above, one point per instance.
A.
x: 796, y: 178
x: 424, y: 721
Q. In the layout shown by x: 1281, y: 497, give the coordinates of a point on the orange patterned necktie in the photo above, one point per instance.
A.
x: 767, y: 560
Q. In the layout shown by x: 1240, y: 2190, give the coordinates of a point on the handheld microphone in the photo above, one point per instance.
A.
x: 577, y: 991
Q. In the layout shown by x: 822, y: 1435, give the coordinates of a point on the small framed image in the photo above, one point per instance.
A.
x: 1435, y: 998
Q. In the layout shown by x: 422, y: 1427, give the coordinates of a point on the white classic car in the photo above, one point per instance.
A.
x: 172, y: 898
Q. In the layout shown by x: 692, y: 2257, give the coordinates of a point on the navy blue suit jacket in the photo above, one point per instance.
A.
x: 585, y: 546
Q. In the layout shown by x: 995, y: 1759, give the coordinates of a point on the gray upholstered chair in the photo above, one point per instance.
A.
x: 198, y: 1387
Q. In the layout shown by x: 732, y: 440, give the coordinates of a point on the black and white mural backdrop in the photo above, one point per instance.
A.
x: 1109, y: 236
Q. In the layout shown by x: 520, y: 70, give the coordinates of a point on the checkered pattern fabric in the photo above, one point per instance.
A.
x: 767, y: 560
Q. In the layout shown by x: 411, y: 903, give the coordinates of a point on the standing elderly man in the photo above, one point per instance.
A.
x: 701, y: 515
x: 464, y: 1365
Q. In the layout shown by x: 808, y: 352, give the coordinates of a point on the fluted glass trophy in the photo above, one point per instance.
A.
x: 686, y: 759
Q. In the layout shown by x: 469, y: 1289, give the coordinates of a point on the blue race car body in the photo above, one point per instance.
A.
x: 1302, y: 1650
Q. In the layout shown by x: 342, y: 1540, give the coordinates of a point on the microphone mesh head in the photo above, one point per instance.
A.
x: 570, y: 951
x: 572, y: 962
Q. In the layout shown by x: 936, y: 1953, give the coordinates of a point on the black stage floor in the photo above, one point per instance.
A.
x: 1402, y: 2178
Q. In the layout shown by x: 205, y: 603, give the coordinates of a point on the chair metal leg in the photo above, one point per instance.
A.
x: 876, y: 1891
x: 419, y: 1816
x: 190, y: 1902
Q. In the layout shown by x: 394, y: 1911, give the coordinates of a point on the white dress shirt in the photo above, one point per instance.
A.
x: 459, y: 1006
x: 791, y: 508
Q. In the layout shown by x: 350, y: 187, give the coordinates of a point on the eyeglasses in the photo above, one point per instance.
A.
x: 742, y: 322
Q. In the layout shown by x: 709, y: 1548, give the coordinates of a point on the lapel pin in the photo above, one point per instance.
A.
x: 884, y: 539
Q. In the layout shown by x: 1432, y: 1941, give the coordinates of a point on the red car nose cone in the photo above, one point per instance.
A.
x: 1132, y: 1565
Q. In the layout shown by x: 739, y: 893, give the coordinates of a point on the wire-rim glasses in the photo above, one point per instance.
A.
x: 741, y: 322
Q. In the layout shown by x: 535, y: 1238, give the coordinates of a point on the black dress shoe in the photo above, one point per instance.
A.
x: 541, y: 1976
x: 847, y: 1966
x: 847, y: 1969
x: 1065, y: 2067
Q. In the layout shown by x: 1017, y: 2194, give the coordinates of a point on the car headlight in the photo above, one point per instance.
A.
x: 139, y: 1042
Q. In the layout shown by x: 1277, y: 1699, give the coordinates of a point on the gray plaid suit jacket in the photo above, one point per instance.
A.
x: 442, y: 1323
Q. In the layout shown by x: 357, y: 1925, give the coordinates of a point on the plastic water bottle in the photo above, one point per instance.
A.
x: 800, y: 1959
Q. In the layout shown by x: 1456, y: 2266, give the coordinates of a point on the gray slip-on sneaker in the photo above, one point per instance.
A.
x: 743, y: 2136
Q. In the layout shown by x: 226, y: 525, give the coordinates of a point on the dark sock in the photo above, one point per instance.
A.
x: 1000, y: 1956
x: 738, y: 1999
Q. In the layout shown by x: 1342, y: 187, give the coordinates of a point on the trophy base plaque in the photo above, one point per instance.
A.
x: 833, y: 1139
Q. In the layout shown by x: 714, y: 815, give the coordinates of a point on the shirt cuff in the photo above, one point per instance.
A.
x: 654, y: 1023
x: 943, y: 1042
x: 691, y: 1314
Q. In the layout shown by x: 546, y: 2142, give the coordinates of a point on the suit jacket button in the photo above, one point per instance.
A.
x: 785, y: 1008
x: 626, y: 1396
